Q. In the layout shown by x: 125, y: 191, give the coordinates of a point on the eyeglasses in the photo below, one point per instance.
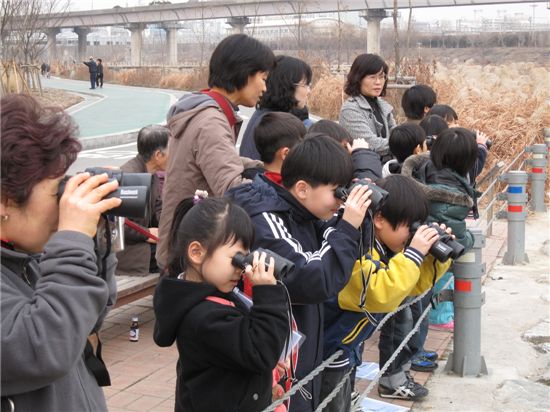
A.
x: 373, y: 77
x: 308, y: 86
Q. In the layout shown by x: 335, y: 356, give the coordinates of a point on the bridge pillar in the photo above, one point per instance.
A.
x: 82, y: 33
x: 172, y: 43
x: 50, y: 45
x: 373, y: 18
x: 136, y: 43
x: 238, y: 23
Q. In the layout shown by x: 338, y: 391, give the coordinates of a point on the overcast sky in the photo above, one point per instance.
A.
x: 542, y: 13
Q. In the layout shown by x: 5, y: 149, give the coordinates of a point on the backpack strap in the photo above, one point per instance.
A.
x: 219, y: 300
x: 224, y: 105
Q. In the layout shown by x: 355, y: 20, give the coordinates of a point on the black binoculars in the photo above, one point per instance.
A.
x: 377, y: 198
x: 282, y: 265
x: 133, y: 189
x: 445, y: 247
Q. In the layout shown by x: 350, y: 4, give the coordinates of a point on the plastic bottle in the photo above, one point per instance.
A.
x: 134, y: 329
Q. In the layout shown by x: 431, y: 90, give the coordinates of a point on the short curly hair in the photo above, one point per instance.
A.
x: 37, y: 143
x: 281, y: 84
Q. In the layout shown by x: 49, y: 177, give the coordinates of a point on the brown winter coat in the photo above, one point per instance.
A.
x: 201, y: 155
x: 135, y: 258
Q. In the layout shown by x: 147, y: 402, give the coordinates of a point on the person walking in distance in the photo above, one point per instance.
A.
x: 92, y: 68
x: 99, y: 77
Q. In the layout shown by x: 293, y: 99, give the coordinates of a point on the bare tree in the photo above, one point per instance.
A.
x: 296, y: 24
x: 23, y: 31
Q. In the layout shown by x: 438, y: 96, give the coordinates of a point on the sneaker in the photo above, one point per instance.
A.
x: 409, y: 391
x: 429, y: 354
x: 444, y: 326
x: 422, y: 364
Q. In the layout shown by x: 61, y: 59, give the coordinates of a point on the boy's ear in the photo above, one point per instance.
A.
x: 302, y: 189
x: 196, y: 253
x: 417, y: 149
x: 426, y: 109
x: 282, y: 153
x: 378, y: 220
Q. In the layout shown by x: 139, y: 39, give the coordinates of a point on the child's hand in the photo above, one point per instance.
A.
x: 257, y: 273
x: 481, y: 137
x: 357, y: 144
x: 447, y: 229
x: 356, y: 205
x: 424, y: 238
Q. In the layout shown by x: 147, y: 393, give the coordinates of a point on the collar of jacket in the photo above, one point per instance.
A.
x: 298, y: 211
x: 16, y: 260
x: 423, y: 171
x: 362, y: 102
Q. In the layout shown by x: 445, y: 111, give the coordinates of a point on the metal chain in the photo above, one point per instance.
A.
x: 334, y: 392
x: 399, y: 348
x: 335, y: 355
x: 305, y: 380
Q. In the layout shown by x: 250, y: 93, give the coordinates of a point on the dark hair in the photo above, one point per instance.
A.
x: 150, y: 139
x: 236, y: 58
x: 318, y: 160
x: 406, y: 203
x: 362, y: 66
x: 213, y: 222
x: 433, y: 125
x: 456, y: 149
x: 37, y: 143
x: 331, y: 129
x: 445, y: 111
x: 281, y: 83
x: 415, y: 99
x: 101, y: 61
x: 276, y: 130
x: 404, y: 139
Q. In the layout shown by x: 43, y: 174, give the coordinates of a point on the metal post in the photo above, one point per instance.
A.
x: 537, y: 175
x: 516, y: 214
x: 546, y: 135
x: 466, y: 358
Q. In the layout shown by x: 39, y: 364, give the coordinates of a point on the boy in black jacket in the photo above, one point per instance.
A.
x: 291, y: 219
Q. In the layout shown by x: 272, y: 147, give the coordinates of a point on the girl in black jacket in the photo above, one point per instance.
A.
x: 227, y: 350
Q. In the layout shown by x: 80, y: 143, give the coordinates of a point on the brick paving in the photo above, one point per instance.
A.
x: 143, y: 375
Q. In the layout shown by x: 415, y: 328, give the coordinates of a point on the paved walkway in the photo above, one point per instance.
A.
x: 115, y: 109
x: 143, y: 375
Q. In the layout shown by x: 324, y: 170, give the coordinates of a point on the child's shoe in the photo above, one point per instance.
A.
x: 409, y: 391
x: 421, y: 364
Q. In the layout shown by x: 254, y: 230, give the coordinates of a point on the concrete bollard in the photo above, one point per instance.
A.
x: 546, y: 135
x: 537, y: 175
x: 516, y: 214
x: 466, y: 358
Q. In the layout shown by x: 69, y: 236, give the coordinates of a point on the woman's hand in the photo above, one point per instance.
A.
x: 424, y: 238
x: 356, y: 205
x: 257, y: 273
x: 83, y: 202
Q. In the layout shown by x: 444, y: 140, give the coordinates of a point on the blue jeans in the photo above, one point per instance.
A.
x: 93, y: 78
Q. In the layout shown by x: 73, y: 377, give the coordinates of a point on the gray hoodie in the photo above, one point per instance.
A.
x: 49, y: 305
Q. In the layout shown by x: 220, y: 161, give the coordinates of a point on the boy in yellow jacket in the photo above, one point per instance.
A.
x: 394, y: 267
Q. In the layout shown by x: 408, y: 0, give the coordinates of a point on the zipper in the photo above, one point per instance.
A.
x: 26, y: 276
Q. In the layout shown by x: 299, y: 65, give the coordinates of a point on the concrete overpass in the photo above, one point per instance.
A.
x: 237, y: 13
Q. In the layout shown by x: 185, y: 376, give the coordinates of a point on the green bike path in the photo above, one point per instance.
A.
x: 115, y: 109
